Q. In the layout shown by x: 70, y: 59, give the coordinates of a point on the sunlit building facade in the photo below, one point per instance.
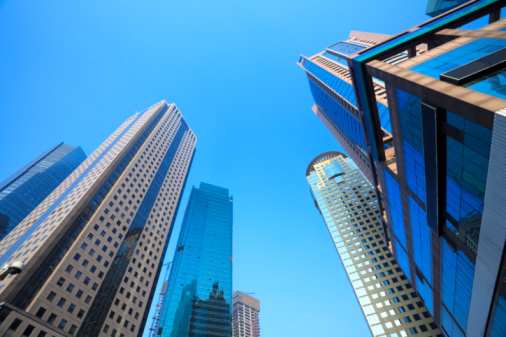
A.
x: 245, y: 315
x: 348, y: 204
x: 93, y: 249
x: 439, y: 172
x: 198, y: 297
x: 28, y: 187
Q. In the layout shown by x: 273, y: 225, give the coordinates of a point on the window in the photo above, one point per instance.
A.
x: 62, y: 324
x: 60, y: 282
x: 15, y: 325
x: 28, y: 331
x: 69, y: 268
x: 88, y: 299
x: 86, y: 281
x: 51, y: 296
x: 79, y: 293
x: 71, y: 308
x: 80, y: 314
x: 40, y: 312
x: 78, y: 275
x: 51, y: 318
x: 61, y: 302
x: 70, y: 287
x: 72, y: 329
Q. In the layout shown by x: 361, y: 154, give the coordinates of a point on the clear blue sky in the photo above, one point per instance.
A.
x: 73, y: 71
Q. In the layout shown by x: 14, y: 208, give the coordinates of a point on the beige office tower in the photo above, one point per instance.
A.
x: 93, y: 249
x: 245, y: 320
x: 349, y: 207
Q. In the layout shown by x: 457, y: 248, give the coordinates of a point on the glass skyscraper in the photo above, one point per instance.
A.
x: 348, y: 205
x: 198, y: 300
x: 93, y: 249
x: 25, y: 189
x: 439, y: 171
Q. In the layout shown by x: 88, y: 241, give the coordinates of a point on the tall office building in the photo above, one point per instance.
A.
x: 28, y: 187
x: 93, y: 249
x: 245, y: 315
x: 439, y: 174
x: 199, y: 294
x: 349, y: 207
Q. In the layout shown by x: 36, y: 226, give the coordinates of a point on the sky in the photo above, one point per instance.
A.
x: 73, y: 71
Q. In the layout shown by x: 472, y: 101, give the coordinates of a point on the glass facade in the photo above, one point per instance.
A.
x: 340, y: 116
x: 468, y: 153
x: 394, y: 200
x: 457, y: 284
x: 412, y: 142
x: 23, y: 191
x: 199, y: 294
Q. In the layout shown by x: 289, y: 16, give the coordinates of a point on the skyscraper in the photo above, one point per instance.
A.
x: 198, y: 297
x: 94, y: 247
x: 25, y: 189
x: 350, y: 210
x: 439, y: 173
x: 245, y: 315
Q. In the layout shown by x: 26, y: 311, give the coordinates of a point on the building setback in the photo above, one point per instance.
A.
x: 439, y: 172
x: 245, y: 315
x: 349, y: 208
x: 25, y: 189
x: 94, y: 247
x: 198, y: 297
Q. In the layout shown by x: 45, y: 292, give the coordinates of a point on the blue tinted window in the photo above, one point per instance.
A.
x: 459, y: 56
x: 420, y: 233
x: 457, y: 283
x: 346, y: 48
x: 493, y: 84
x: 499, y: 323
x: 402, y: 259
x: 341, y: 117
x: 336, y: 58
x: 467, y: 166
x: 425, y: 292
x: 395, y: 207
x: 332, y: 170
x: 412, y: 142
x: 338, y: 85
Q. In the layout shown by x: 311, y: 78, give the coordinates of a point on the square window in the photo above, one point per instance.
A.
x: 71, y: 308
x: 80, y: 314
x: 88, y: 299
x: 60, y: 281
x: 69, y: 268
x: 79, y: 293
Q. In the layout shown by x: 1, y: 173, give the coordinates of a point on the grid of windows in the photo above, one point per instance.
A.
x: 94, y: 240
x: 350, y: 210
x: 412, y: 141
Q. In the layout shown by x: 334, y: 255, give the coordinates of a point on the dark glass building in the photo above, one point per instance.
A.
x: 24, y: 190
x: 199, y: 294
x: 438, y: 169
